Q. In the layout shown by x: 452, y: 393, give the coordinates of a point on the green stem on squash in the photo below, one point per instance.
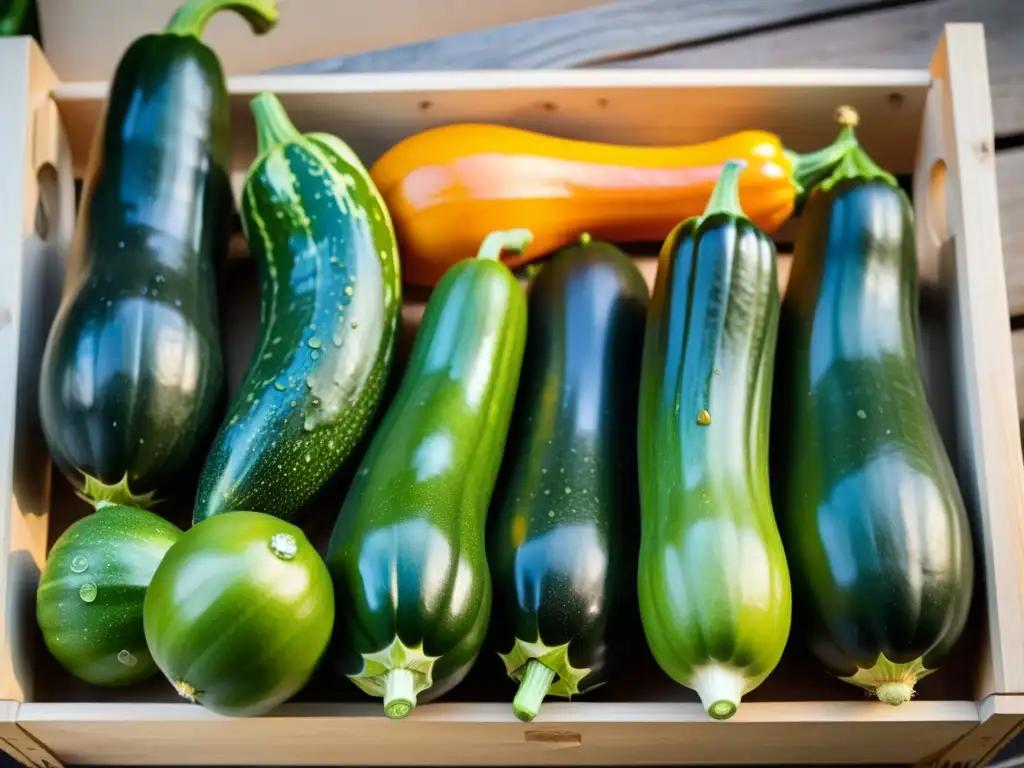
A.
x: 273, y: 126
x: 191, y: 18
x: 399, y: 693
x: 855, y: 163
x: 496, y: 242
x: 725, y: 197
x: 533, y: 688
x: 809, y: 169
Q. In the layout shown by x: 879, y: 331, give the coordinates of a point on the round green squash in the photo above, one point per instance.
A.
x: 91, y: 592
x: 239, y: 613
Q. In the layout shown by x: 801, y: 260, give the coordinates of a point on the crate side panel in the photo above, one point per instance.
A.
x: 958, y: 214
x: 488, y: 734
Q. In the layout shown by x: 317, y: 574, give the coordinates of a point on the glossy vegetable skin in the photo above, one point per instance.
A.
x: 447, y: 187
x: 876, y: 530
x: 407, y: 553
x: 714, y: 585
x: 565, y: 528
x: 331, y: 299
x: 132, y: 373
x: 90, y: 595
x: 239, y: 613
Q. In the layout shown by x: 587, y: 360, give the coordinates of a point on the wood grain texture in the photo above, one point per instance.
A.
x: 575, y: 39
x: 1010, y: 175
x: 371, y: 112
x: 900, y: 37
x: 903, y: 35
x: 85, y: 38
x: 957, y: 137
x: 488, y: 734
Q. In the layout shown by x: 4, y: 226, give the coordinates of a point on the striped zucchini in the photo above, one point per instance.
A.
x: 330, y: 304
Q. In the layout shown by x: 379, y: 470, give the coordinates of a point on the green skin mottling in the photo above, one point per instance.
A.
x: 564, y: 531
x: 233, y: 624
x: 330, y: 304
x: 714, y: 584
x: 874, y: 522
x: 407, y: 553
x: 111, y: 556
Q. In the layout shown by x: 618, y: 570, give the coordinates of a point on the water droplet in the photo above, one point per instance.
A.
x: 144, y: 290
x: 160, y: 278
x: 338, y: 338
x: 156, y: 292
x: 109, y: 302
x: 284, y: 545
x: 314, y: 342
x: 115, y: 423
x: 276, y: 340
x: 543, y: 470
x: 551, y: 513
x: 314, y: 354
x: 312, y: 326
x: 718, y: 371
x: 293, y: 403
x: 547, y: 492
x: 126, y: 658
x: 316, y: 401
x: 88, y: 592
x: 703, y: 418
x: 120, y: 243
x: 888, y: 431
x: 280, y: 214
x: 330, y: 445
x: 568, y: 490
x: 177, y: 302
x: 142, y: 440
x: 349, y: 290
x: 79, y: 563
x: 308, y: 458
x: 861, y: 414
x: 279, y: 386
x: 354, y: 324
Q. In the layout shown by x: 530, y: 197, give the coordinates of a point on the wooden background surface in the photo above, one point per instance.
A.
x: 760, y: 33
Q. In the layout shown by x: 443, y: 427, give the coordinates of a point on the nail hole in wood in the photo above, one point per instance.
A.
x: 549, y: 106
x: 425, y: 105
x: 895, y: 100
x: 602, y: 103
x: 937, y: 212
x: 555, y: 739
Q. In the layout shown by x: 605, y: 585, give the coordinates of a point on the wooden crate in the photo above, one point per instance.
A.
x: 934, y: 126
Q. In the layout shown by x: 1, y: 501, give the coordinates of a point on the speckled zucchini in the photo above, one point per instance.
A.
x: 330, y: 305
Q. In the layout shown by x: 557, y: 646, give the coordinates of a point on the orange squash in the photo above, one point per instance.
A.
x: 448, y: 187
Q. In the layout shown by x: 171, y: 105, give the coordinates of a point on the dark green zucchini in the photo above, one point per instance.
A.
x: 407, y: 553
x: 331, y: 299
x: 91, y: 592
x: 562, y: 542
x: 132, y: 374
x: 714, y: 585
x: 874, y: 523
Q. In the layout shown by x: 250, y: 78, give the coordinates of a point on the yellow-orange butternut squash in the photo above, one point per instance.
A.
x: 447, y: 187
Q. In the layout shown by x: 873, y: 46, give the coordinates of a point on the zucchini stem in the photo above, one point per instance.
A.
x: 399, y: 693
x: 273, y: 126
x: 537, y: 679
x: 809, y: 169
x: 854, y: 162
x: 725, y: 197
x: 496, y: 242
x: 720, y: 689
x: 192, y: 16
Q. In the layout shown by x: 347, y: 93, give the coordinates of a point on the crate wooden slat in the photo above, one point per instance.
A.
x: 962, y: 713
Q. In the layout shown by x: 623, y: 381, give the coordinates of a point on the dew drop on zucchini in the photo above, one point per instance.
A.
x: 284, y: 546
x: 315, y: 342
x: 88, y: 592
x: 79, y: 563
x: 703, y: 418
x: 126, y: 658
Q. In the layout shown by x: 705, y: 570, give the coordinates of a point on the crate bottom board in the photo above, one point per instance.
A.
x: 488, y: 734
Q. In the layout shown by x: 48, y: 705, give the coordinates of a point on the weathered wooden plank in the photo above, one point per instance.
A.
x: 856, y: 33
x: 1010, y: 174
x: 899, y: 37
x: 1018, y: 365
x: 596, y: 34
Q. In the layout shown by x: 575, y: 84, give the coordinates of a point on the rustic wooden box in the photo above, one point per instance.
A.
x: 932, y: 126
